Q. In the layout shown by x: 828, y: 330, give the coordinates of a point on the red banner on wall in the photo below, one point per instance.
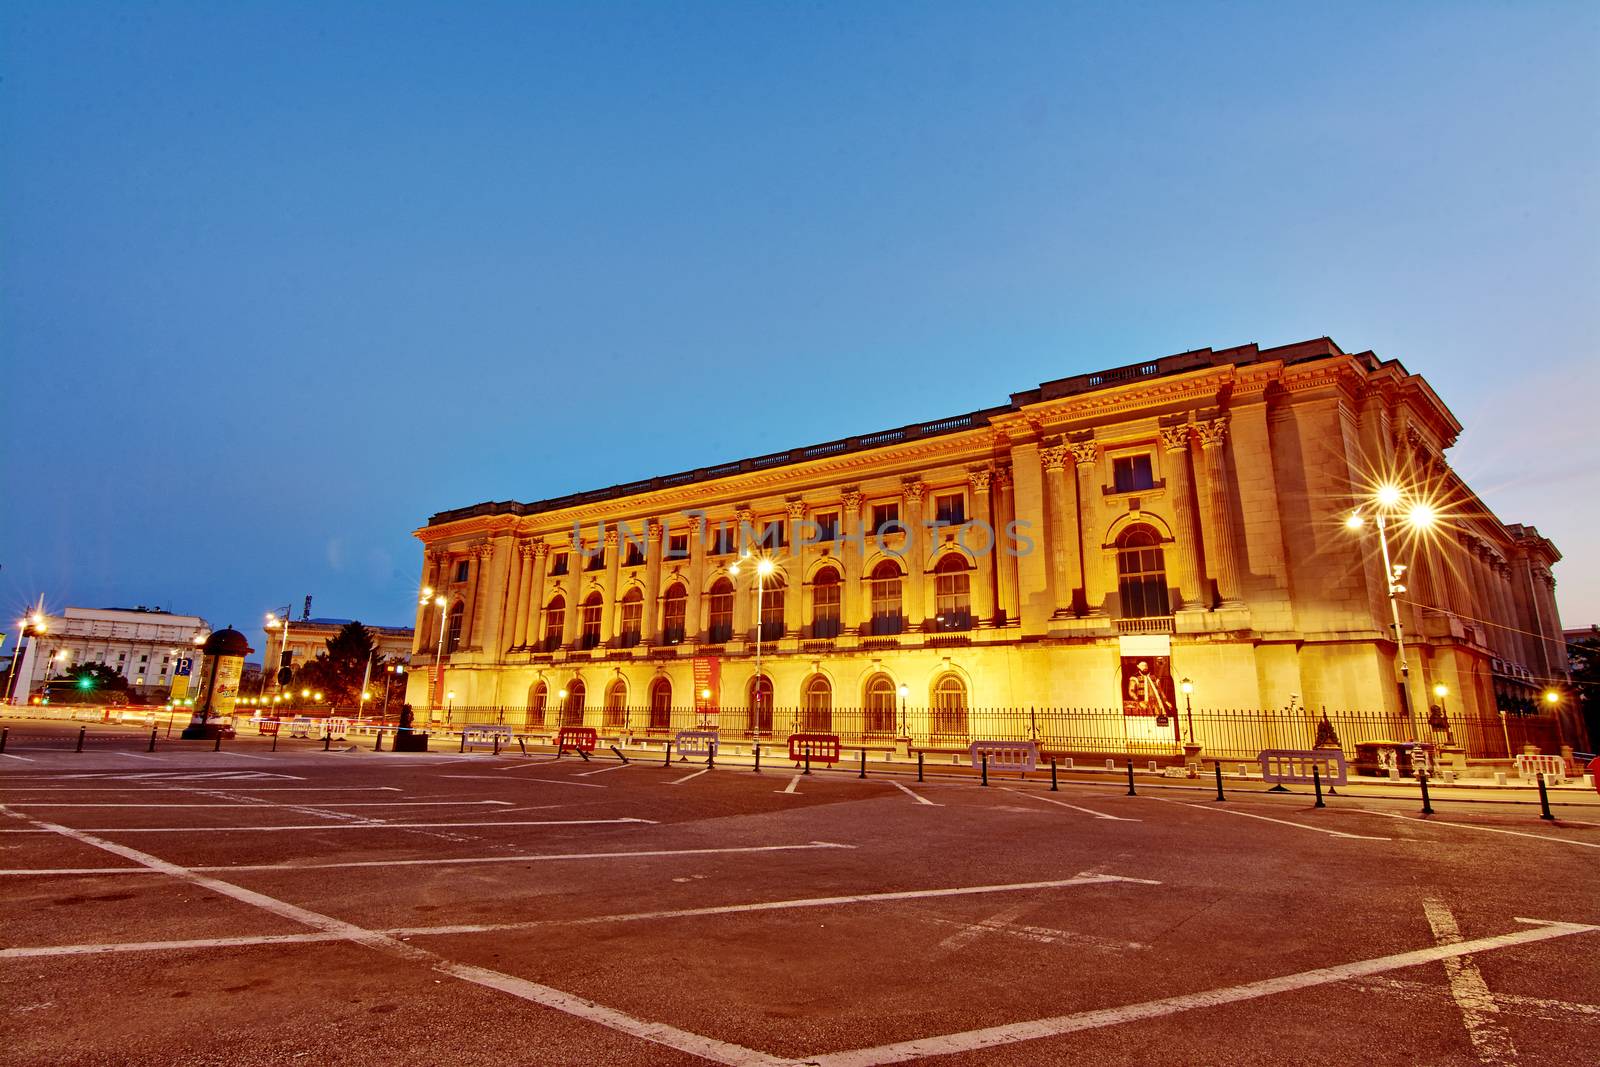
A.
x: 707, y: 683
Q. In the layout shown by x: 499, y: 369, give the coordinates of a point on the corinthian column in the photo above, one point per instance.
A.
x: 517, y: 609
x: 1061, y: 515
x: 853, y: 549
x: 534, y: 606
x: 608, y: 603
x: 1221, y: 551
x: 693, y: 625
x: 916, y: 554
x: 1004, y: 512
x: 795, y: 579
x: 1087, y: 455
x: 983, y: 592
x: 649, y: 625
x: 1180, y: 486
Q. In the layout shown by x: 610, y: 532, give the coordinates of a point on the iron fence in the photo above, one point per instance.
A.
x: 1221, y: 733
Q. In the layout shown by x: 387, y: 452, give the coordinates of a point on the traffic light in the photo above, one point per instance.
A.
x: 85, y: 682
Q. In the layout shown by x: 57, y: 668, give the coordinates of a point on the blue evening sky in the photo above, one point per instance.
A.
x: 277, y: 281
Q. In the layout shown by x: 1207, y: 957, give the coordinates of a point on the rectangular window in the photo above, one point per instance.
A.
x: 827, y: 526
x: 950, y: 509
x: 558, y: 564
x: 1130, y: 474
x: 597, y: 562
x: 885, y: 515
x: 678, y: 546
x: 144, y: 659
x: 635, y: 555
x: 770, y: 535
x: 463, y: 568
x: 724, y: 540
x: 589, y: 623
x: 632, y: 618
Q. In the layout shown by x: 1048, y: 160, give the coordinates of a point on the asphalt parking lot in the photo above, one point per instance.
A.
x: 346, y: 907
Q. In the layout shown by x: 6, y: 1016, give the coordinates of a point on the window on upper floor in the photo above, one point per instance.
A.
x: 1130, y: 474
x: 950, y: 509
x: 825, y: 590
x: 885, y: 514
x: 558, y: 564
x: 724, y: 540
x: 463, y: 568
x: 633, y: 556
x: 719, y: 607
x: 596, y: 562
x: 678, y: 546
x: 770, y: 535
x: 1141, y: 574
x: 827, y: 526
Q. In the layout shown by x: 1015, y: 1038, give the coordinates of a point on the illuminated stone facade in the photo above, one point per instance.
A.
x: 1198, y: 500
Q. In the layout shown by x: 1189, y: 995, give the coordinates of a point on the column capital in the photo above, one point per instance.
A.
x: 744, y: 514
x: 1053, y: 457
x: 850, y: 498
x: 696, y: 523
x: 1002, y: 476
x: 795, y: 509
x: 1175, y: 438
x: 1212, y: 432
x: 483, y: 551
x: 611, y: 537
x: 653, y: 529
x: 913, y: 488
x: 978, y: 478
x: 541, y: 549
x: 1086, y: 453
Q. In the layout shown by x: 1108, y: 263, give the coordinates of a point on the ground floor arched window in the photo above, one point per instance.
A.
x: 949, y: 710
x: 661, y: 704
x: 759, y: 701
x: 879, y: 703
x: 817, y: 703
x: 616, y: 703
x: 538, y: 696
x: 572, y: 706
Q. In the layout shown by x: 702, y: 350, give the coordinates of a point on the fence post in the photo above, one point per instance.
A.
x: 1316, y: 784
x: 1427, y: 806
x: 1544, y: 800
x: 1131, y: 793
x: 1218, y: 766
x: 919, y: 764
x: 150, y: 748
x: 1053, y: 787
x: 81, y: 731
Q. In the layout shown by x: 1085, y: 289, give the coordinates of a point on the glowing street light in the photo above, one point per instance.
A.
x: 763, y: 567
x: 903, y: 691
x: 1188, y: 704
x: 34, y: 622
x: 438, y: 601
x: 1388, y: 500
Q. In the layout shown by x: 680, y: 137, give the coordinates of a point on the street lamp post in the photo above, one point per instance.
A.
x: 764, y: 567
x: 393, y: 669
x: 1386, y: 502
x: 37, y: 624
x: 905, y: 723
x: 274, y: 622
x: 436, y: 687
x: 1188, y: 704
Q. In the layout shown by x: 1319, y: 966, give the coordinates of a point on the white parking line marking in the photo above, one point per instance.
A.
x: 659, y: 1033
x: 1470, y: 992
x: 233, y: 786
x: 605, y: 770
x: 364, y: 825
x: 1485, y: 829
x: 790, y: 788
x: 24, y: 759
x: 1074, y: 807
x: 1530, y: 1007
x: 242, y: 755
x: 546, y: 781
x: 1268, y: 818
x: 549, y: 857
x: 587, y: 920
x: 690, y: 777
x: 139, y: 755
x: 529, y: 763
x: 259, y: 807
x: 995, y: 1036
x: 918, y: 797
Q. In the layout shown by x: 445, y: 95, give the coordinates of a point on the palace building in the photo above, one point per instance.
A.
x: 1083, y: 545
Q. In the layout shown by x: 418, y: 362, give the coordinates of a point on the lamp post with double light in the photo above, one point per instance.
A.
x: 763, y: 567
x: 36, y: 624
x: 1388, y: 502
x: 393, y: 669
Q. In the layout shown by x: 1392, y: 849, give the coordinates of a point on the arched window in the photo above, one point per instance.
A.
x: 589, y: 622
x: 719, y: 603
x: 538, y: 695
x: 661, y: 704
x: 555, y: 618
x: 825, y: 603
x: 632, y: 619
x: 880, y: 699
x: 772, y: 607
x: 572, y: 709
x: 818, y: 704
x: 886, y: 618
x: 952, y: 587
x: 759, y: 697
x: 1141, y: 574
x: 452, y: 639
x: 673, y: 608
x: 616, y: 703
x: 949, y: 709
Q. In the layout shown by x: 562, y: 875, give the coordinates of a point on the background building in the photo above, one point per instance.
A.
x: 1098, y: 538
x: 308, y: 637
x: 144, y: 645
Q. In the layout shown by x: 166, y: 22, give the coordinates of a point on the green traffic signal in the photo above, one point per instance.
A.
x: 86, y: 682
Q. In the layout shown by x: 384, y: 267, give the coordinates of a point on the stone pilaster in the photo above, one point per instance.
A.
x: 1185, y: 511
x: 650, y: 625
x: 853, y: 547
x: 794, y: 573
x: 694, y: 623
x: 1061, y: 527
x: 608, y: 604
x: 1095, y: 584
x: 472, y: 617
x: 533, y: 609
x: 575, y: 564
x: 913, y: 489
x: 983, y: 588
x: 521, y: 560
x: 1222, y: 553
x: 1005, y: 510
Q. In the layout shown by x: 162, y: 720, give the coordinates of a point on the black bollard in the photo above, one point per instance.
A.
x: 327, y: 740
x: 1053, y: 787
x: 1316, y: 784
x: 218, y: 746
x: 1427, y: 806
x: 618, y: 752
x: 81, y: 731
x: 1218, y: 766
x: 711, y: 754
x: 274, y: 740
x: 808, y: 761
x: 497, y: 744
x: 667, y: 762
x: 863, y: 773
x: 5, y: 732
x: 919, y: 764
x: 463, y: 747
x: 983, y: 768
x: 152, y: 746
x: 757, y: 751
x: 1544, y: 800
x: 377, y: 745
x: 1131, y: 793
